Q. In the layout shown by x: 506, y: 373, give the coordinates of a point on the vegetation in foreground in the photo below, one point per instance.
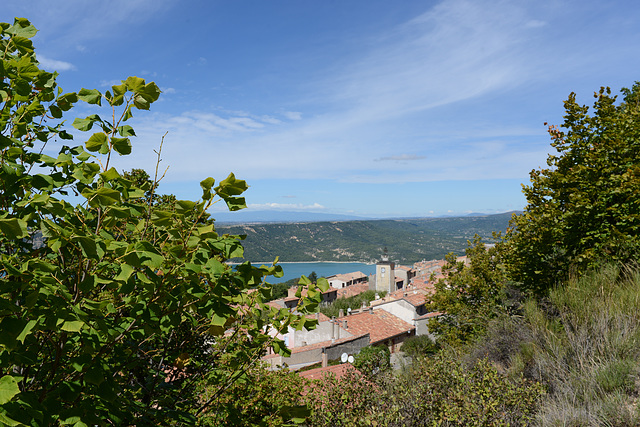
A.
x: 126, y: 313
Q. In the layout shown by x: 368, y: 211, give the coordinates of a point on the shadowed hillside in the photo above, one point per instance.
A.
x: 408, y: 240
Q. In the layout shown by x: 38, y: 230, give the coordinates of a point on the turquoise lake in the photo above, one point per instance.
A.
x: 293, y: 270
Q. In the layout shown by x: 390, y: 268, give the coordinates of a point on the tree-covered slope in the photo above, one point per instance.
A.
x: 408, y: 240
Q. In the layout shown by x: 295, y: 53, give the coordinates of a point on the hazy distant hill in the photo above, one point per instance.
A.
x: 248, y: 216
x: 408, y: 240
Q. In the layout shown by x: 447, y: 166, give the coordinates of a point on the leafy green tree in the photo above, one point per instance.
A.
x: 261, y: 397
x: 123, y: 305
x: 584, y: 208
x: 313, y: 277
x: 419, y: 346
x: 354, y: 303
x: 373, y: 359
x: 469, y: 295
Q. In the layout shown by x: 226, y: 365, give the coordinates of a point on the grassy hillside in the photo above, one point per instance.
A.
x: 583, y: 344
x: 408, y: 240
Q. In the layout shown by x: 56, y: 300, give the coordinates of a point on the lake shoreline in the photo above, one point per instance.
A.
x: 293, y: 270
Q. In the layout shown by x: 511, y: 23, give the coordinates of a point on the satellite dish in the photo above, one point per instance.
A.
x: 344, y: 357
x: 350, y: 359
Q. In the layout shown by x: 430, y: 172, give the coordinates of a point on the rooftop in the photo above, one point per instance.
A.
x: 380, y: 325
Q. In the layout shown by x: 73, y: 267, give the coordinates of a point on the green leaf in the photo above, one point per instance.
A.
x: 121, y: 145
x: 90, y: 96
x: 56, y: 112
x: 90, y: 247
x: 134, y: 84
x: 125, y: 272
x: 102, y: 197
x: 229, y: 188
x: 27, y: 330
x: 323, y: 284
x: 184, y: 206
x: 5, y: 420
x: 8, y: 389
x: 86, y: 123
x: 110, y: 175
x: 96, y: 141
x: 206, y: 185
x: 14, y: 228
x: 126, y: 131
x: 72, y: 325
x: 162, y: 218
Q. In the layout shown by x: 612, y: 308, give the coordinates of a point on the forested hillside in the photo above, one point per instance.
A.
x: 408, y: 240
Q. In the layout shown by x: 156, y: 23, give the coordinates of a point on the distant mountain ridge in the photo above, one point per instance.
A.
x: 247, y: 216
x: 408, y: 240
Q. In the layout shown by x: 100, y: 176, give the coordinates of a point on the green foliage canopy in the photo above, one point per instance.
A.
x: 469, y: 294
x: 126, y: 304
x: 584, y: 208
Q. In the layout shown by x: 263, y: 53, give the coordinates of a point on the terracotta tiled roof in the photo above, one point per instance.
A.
x: 403, y: 267
x: 321, y: 317
x: 292, y: 291
x: 348, y: 276
x: 430, y: 315
x: 380, y: 325
x: 337, y: 370
x: 422, y: 282
x: 416, y: 299
x: 352, y: 290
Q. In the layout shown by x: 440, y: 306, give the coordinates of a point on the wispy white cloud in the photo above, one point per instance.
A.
x: 55, y: 65
x: 401, y: 158
x: 434, y: 88
x: 286, y: 206
x: 458, y: 50
x: 292, y: 115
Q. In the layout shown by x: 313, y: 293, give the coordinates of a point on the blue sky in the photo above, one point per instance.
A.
x: 364, y: 107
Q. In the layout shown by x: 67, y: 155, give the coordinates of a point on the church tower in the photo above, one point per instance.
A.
x: 385, y: 275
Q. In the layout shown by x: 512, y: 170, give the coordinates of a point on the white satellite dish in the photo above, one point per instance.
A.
x: 344, y: 357
x: 351, y: 359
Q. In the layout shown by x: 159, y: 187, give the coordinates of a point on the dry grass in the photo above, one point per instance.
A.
x: 583, y: 343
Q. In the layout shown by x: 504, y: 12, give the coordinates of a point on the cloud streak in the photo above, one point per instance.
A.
x: 55, y: 65
x: 286, y: 207
x: 401, y: 158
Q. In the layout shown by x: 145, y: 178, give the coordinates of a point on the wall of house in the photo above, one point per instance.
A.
x: 352, y: 347
x: 321, y: 333
x: 422, y: 328
x: 301, y: 359
x: 338, y: 284
x: 399, y: 308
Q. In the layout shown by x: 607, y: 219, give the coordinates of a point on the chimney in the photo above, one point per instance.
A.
x: 325, y: 360
x: 333, y: 328
x: 318, y: 316
x: 345, y: 325
x: 370, y: 310
x: 341, y: 313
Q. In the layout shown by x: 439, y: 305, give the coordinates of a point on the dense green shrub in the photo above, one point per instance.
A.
x: 584, y: 207
x: 354, y: 303
x: 373, y: 360
x: 419, y: 346
x: 582, y: 343
x: 440, y: 391
x: 253, y: 400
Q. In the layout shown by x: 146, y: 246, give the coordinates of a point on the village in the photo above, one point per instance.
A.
x: 388, y: 320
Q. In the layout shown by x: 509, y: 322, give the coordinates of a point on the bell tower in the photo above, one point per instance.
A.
x: 385, y: 276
